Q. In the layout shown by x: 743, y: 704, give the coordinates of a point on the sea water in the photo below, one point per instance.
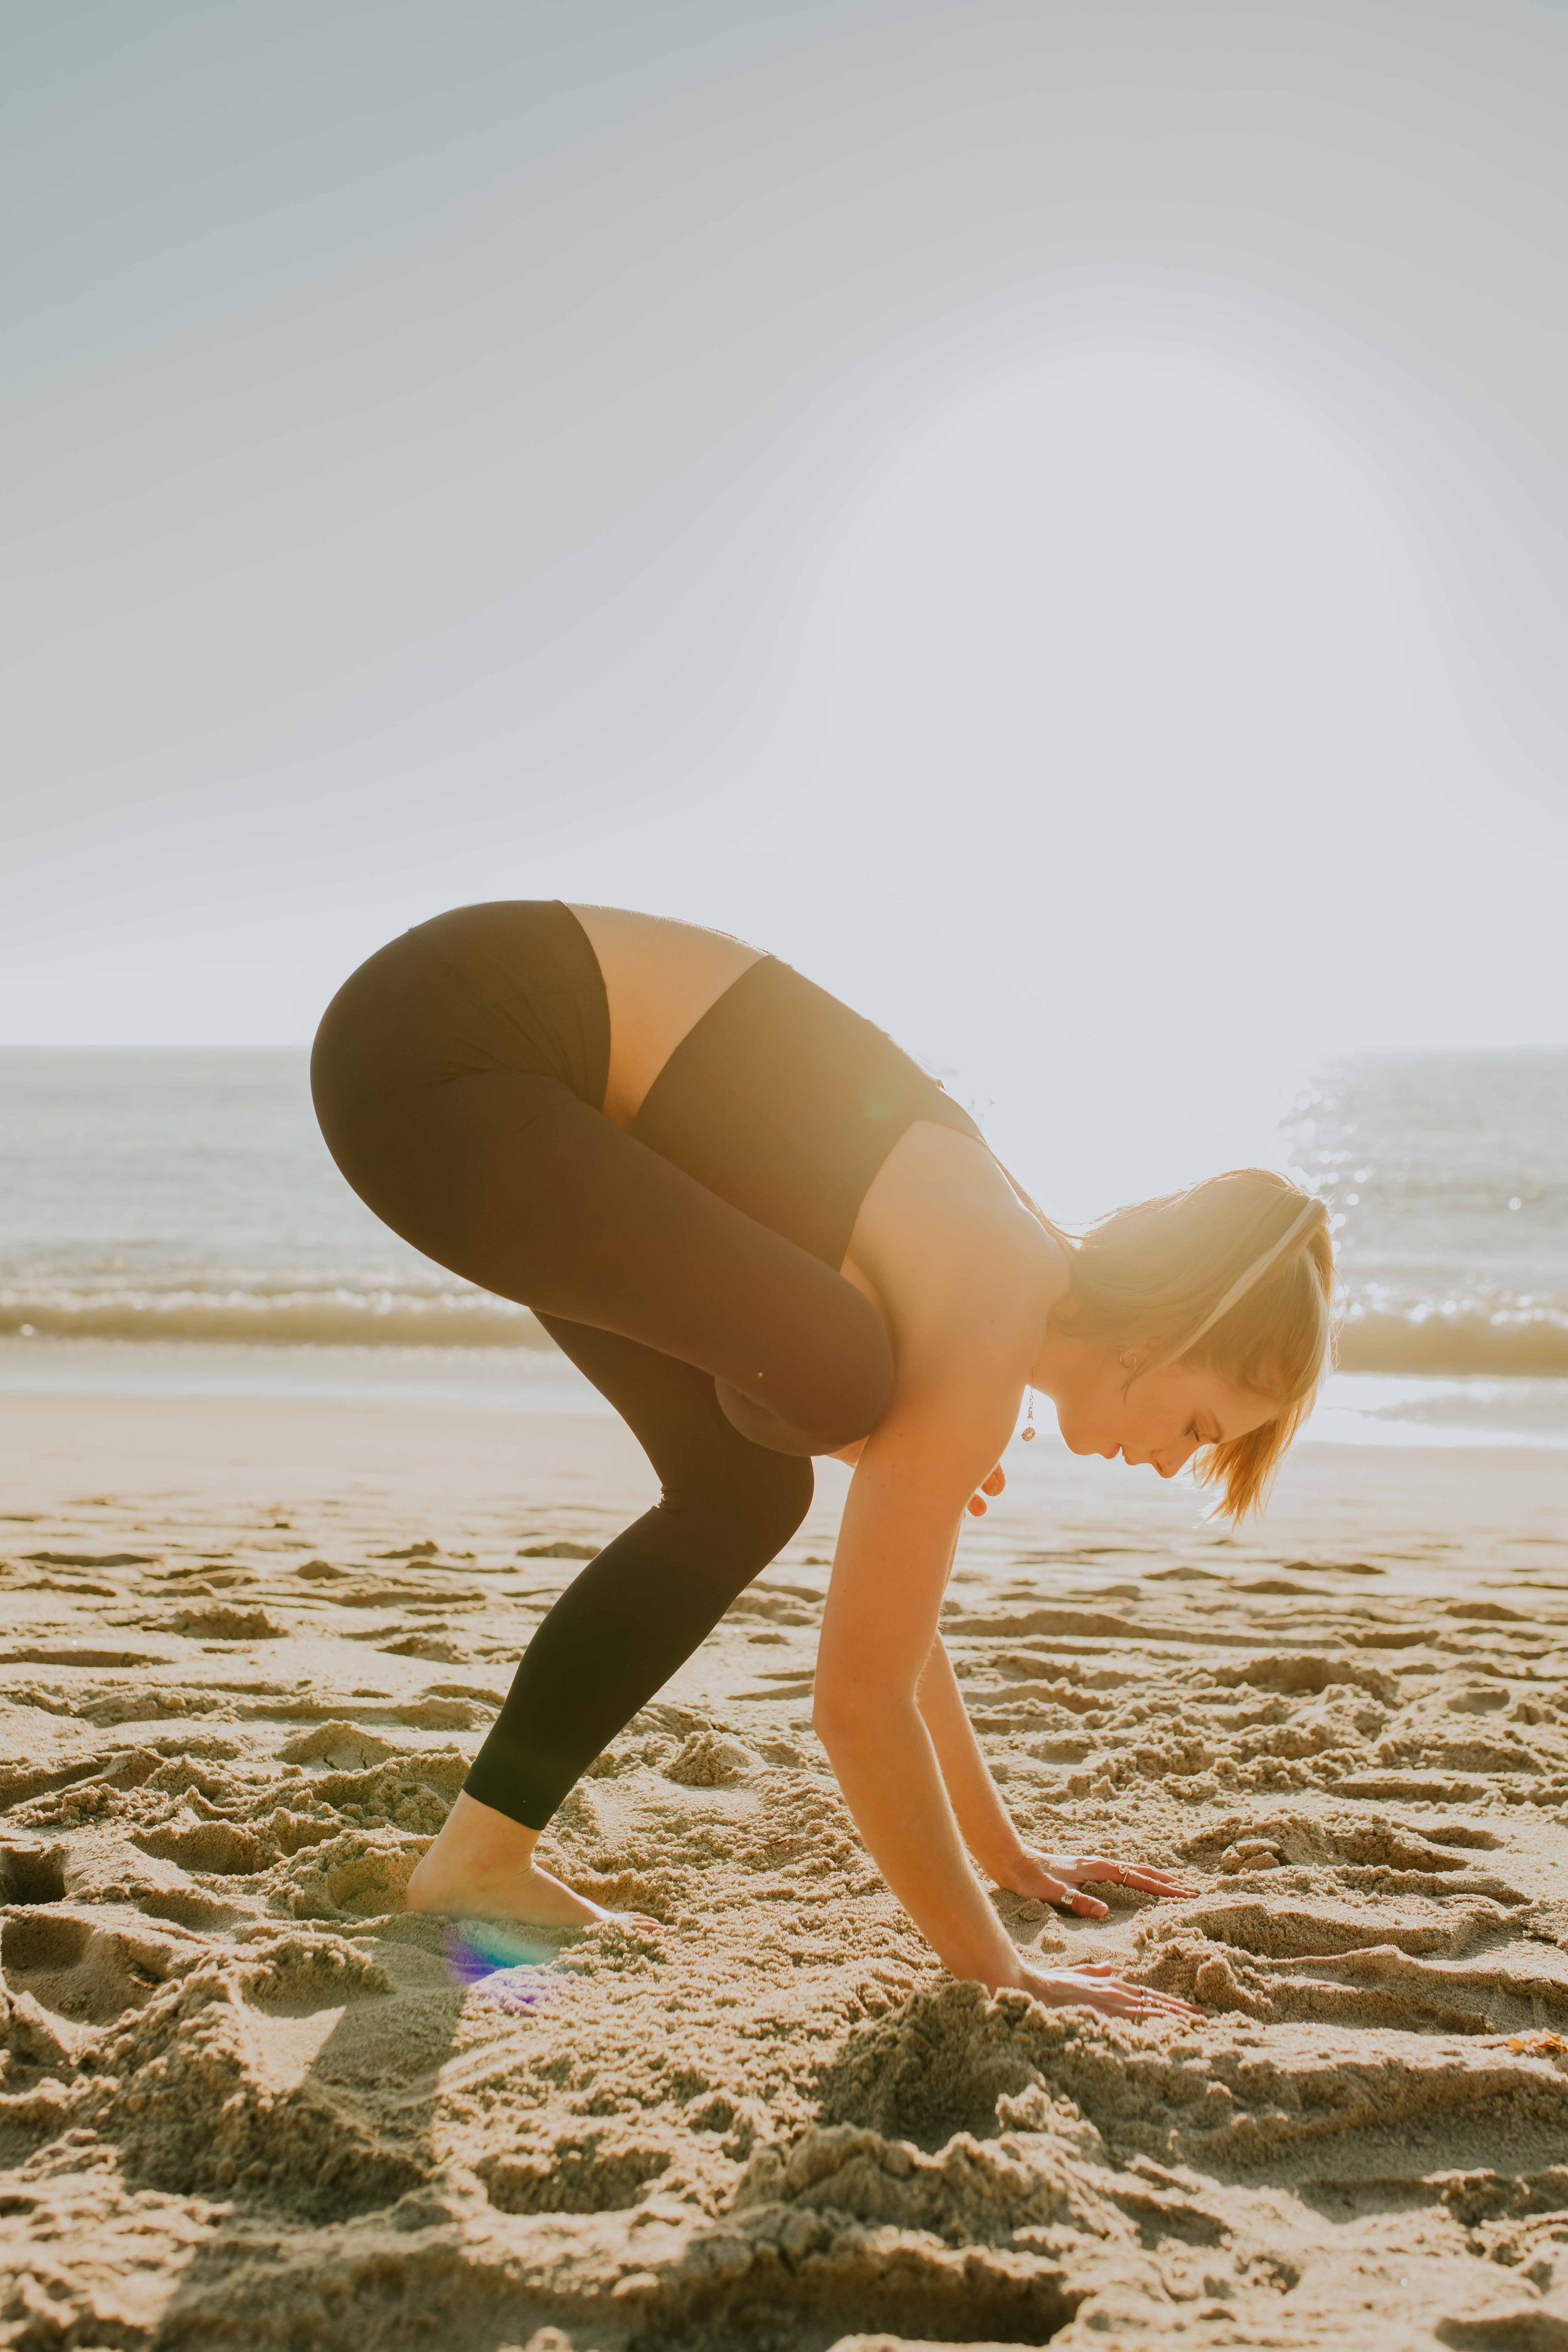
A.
x: 171, y: 1221
x: 1446, y: 1175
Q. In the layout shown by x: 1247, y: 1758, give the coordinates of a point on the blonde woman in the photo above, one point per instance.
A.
x: 764, y: 1233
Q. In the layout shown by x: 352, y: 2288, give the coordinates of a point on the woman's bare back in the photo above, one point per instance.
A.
x: 935, y: 1186
x: 660, y: 976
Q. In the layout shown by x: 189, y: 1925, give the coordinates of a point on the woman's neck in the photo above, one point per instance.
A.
x: 1062, y: 1362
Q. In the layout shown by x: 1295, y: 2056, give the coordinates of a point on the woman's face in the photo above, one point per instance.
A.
x: 1161, y: 1419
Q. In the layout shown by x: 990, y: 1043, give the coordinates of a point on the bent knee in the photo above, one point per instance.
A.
x: 737, y: 1522
x: 773, y: 1500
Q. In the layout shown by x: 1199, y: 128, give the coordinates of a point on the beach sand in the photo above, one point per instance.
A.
x: 249, y: 2102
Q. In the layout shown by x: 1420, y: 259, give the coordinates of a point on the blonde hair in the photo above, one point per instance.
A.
x: 1236, y: 1275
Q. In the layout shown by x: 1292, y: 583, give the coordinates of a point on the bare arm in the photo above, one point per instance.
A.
x: 964, y: 1310
x: 984, y: 1822
x: 915, y: 1471
x: 895, y: 1548
x: 987, y: 1827
x: 989, y: 1830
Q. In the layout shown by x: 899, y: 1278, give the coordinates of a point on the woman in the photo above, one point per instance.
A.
x: 764, y: 1233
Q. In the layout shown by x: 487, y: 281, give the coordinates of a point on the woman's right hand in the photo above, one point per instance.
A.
x: 1094, y: 1984
x: 993, y: 1485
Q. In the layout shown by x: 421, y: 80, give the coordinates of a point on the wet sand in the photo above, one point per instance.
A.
x: 249, y: 2102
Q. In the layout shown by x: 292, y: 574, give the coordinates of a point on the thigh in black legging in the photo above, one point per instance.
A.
x: 637, y: 1612
x: 509, y: 1179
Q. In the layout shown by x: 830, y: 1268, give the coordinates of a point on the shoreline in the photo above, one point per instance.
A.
x: 445, y: 1455
x: 1359, y: 1408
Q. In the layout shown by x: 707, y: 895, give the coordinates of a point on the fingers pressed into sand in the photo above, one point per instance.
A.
x: 1036, y: 1874
x: 1095, y: 1985
x: 1074, y: 1870
x: 1149, y: 1995
x: 1146, y: 1881
x: 1060, y: 1878
x: 1071, y: 1898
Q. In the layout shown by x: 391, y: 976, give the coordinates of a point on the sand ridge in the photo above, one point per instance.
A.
x: 247, y: 2100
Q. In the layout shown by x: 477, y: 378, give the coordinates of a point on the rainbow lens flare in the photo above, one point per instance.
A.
x: 502, y: 1964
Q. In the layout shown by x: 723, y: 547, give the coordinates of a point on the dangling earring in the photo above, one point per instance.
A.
x: 1028, y: 1430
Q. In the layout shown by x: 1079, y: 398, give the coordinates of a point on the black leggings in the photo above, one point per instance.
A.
x: 458, y: 1078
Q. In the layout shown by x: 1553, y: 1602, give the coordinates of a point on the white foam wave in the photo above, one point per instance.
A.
x: 1465, y: 1338
x: 1456, y: 1338
x: 300, y: 1318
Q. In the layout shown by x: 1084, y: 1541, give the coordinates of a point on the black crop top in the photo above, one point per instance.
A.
x: 786, y: 1103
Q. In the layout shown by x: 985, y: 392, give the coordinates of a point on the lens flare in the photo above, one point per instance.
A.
x: 502, y: 1964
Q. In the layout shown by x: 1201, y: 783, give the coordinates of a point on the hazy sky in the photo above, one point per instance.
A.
x: 1052, y: 518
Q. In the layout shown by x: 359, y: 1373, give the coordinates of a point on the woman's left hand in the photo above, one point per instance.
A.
x: 1059, y: 1878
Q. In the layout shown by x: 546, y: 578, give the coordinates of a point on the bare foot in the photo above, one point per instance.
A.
x: 482, y: 1867
x: 528, y: 1897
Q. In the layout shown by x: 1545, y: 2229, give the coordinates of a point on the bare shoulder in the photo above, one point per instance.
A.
x: 957, y: 1262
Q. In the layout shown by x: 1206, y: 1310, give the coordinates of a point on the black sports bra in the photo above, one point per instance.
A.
x: 786, y: 1103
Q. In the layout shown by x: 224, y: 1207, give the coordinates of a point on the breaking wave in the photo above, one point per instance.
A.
x: 1530, y: 1342
x: 1464, y: 1338
x: 293, y: 1318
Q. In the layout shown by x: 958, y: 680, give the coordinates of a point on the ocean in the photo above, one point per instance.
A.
x: 170, y: 1219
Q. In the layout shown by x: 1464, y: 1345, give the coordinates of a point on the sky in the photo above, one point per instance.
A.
x: 1053, y: 518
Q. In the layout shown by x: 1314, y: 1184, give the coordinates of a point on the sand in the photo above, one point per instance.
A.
x: 249, y: 2102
